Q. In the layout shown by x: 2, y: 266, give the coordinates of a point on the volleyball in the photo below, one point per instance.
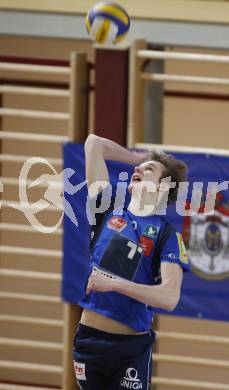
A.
x: 107, y: 23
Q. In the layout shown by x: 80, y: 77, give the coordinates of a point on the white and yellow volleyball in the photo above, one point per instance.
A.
x: 107, y: 23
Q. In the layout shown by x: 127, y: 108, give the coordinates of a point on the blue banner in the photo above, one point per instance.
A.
x: 205, y: 289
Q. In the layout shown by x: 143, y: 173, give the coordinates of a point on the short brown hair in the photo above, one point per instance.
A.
x: 176, y: 169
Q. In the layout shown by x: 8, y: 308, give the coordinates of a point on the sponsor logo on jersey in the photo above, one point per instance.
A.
x: 183, y: 254
x: 150, y: 231
x: 134, y: 224
x: 172, y: 256
x: 117, y: 223
x: 147, y: 244
x: 80, y: 371
x: 131, y: 380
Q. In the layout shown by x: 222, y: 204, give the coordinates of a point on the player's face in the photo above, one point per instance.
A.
x: 151, y: 171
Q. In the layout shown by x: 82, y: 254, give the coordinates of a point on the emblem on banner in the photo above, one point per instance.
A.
x: 207, y: 239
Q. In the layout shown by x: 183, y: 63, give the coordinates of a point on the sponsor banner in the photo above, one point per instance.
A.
x: 203, y: 224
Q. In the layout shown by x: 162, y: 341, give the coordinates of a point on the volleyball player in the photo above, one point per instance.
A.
x: 137, y: 265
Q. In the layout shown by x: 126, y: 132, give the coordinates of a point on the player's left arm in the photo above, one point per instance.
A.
x: 164, y: 296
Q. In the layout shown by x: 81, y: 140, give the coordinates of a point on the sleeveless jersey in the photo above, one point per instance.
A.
x: 132, y: 248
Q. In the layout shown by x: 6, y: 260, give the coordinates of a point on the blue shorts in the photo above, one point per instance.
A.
x: 107, y: 361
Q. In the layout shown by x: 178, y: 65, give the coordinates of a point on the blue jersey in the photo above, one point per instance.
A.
x: 132, y: 248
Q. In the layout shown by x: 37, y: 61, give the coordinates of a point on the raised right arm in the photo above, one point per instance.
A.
x: 98, y: 150
x: 96, y: 168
